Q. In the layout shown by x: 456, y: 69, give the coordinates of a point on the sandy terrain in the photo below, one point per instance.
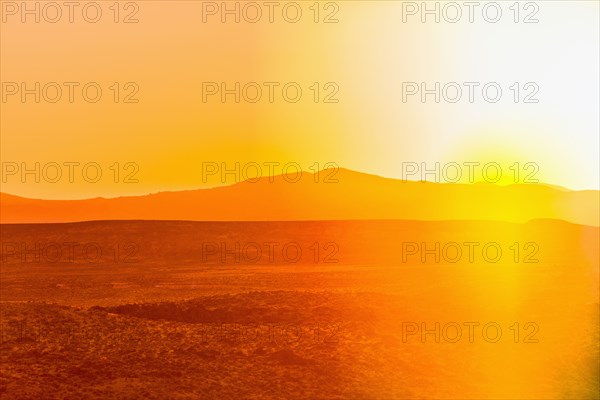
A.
x: 161, y: 315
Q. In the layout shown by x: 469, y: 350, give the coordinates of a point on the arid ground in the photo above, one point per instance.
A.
x: 348, y: 309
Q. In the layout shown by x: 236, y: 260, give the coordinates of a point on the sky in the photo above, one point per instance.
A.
x: 355, y: 72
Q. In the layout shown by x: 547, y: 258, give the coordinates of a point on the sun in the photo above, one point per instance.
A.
x: 502, y: 159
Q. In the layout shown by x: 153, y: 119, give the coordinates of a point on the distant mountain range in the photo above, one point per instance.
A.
x: 356, y: 196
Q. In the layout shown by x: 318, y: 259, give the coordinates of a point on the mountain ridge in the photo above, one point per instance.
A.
x: 355, y: 195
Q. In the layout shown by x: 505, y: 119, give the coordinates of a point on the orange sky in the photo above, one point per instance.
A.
x: 368, y: 53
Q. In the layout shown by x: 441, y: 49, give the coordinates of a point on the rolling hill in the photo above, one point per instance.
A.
x: 355, y: 196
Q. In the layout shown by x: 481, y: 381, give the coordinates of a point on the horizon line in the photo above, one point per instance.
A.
x: 261, y: 179
x: 433, y: 221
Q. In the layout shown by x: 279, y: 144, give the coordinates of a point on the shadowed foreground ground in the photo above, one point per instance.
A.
x: 173, y: 325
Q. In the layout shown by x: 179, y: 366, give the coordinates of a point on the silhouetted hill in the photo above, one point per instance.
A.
x: 354, y: 196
